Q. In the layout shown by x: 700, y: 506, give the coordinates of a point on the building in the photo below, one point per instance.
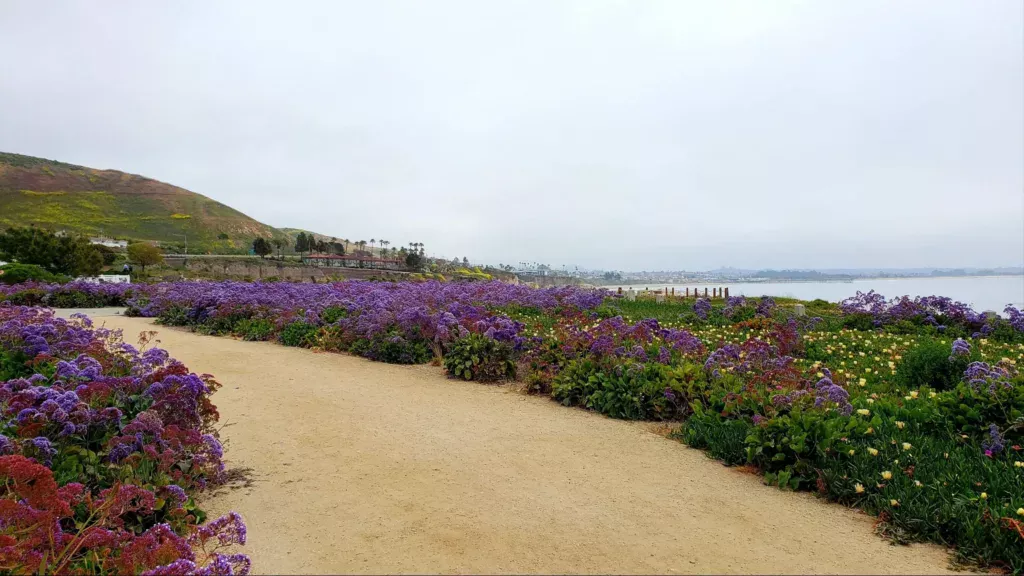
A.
x: 350, y: 261
x: 109, y: 242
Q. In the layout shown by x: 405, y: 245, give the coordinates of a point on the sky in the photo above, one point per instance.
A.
x: 624, y: 135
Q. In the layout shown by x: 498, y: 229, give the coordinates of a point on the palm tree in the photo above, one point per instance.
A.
x: 385, y: 244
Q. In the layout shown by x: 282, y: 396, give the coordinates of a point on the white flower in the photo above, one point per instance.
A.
x: 864, y: 412
x: 900, y: 425
x: 907, y: 446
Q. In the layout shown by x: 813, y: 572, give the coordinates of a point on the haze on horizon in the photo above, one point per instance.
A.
x: 609, y: 134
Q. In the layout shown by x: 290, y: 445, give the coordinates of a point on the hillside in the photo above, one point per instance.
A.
x: 63, y: 196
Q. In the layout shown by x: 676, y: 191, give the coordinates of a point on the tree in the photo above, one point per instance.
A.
x: 108, y: 254
x: 465, y: 261
x: 372, y: 242
x: 301, y: 243
x: 88, y: 260
x: 321, y: 246
x: 68, y: 255
x: 144, y: 254
x: 413, y: 261
x: 261, y: 247
x: 336, y: 248
x: 279, y: 244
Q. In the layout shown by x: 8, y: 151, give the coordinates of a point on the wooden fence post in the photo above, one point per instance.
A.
x: 726, y: 292
x: 705, y: 291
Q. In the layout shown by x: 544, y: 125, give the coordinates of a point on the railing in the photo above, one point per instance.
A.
x: 671, y: 293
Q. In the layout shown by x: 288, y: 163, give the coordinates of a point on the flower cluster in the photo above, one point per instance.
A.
x: 101, y: 445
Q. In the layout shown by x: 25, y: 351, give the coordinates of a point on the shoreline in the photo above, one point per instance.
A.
x: 850, y: 281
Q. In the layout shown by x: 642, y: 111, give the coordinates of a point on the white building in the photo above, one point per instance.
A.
x: 109, y: 242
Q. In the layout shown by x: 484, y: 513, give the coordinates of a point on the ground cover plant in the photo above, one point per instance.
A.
x: 103, y: 448
x: 909, y: 409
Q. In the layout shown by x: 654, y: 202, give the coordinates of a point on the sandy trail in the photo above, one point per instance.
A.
x: 365, y: 467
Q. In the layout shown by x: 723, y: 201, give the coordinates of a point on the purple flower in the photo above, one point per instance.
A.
x: 960, y: 348
x: 702, y: 308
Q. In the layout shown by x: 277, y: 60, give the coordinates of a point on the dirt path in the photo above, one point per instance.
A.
x: 367, y: 467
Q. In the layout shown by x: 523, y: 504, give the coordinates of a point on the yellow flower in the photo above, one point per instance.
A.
x: 907, y: 446
x: 932, y: 394
x: 913, y: 393
x: 859, y: 488
x: 1019, y: 464
x: 821, y: 375
x: 917, y: 483
x: 1020, y: 511
x: 887, y: 475
x: 862, y: 382
x: 852, y: 452
x: 894, y: 503
x: 873, y: 451
x: 984, y: 496
x: 871, y: 400
x: 864, y: 412
x: 900, y: 425
x: 870, y: 430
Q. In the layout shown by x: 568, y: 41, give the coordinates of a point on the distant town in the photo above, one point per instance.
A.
x: 527, y: 271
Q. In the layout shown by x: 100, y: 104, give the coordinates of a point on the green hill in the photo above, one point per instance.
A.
x: 61, y: 196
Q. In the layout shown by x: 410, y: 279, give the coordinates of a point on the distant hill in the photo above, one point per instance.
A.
x: 61, y: 196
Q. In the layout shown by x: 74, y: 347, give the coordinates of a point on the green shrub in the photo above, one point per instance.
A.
x: 631, y: 391
x: 298, y: 333
x: 723, y: 439
x: 790, y: 447
x: 13, y: 364
x: 332, y: 314
x: 30, y: 297
x: 171, y: 316
x: 930, y: 364
x: 477, y: 357
x: 17, y: 273
x: 254, y: 329
x: 393, y: 348
x: 971, y: 411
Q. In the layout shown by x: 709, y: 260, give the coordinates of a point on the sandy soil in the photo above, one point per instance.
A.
x: 363, y: 467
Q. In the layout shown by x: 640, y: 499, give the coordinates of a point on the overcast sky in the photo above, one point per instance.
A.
x: 609, y: 134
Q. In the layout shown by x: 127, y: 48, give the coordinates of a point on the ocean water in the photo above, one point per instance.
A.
x: 981, y: 292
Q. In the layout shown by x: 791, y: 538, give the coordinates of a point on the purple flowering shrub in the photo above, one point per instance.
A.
x: 102, y: 446
x: 906, y: 408
x: 407, y: 322
x: 75, y: 294
x: 987, y: 404
x: 930, y: 314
